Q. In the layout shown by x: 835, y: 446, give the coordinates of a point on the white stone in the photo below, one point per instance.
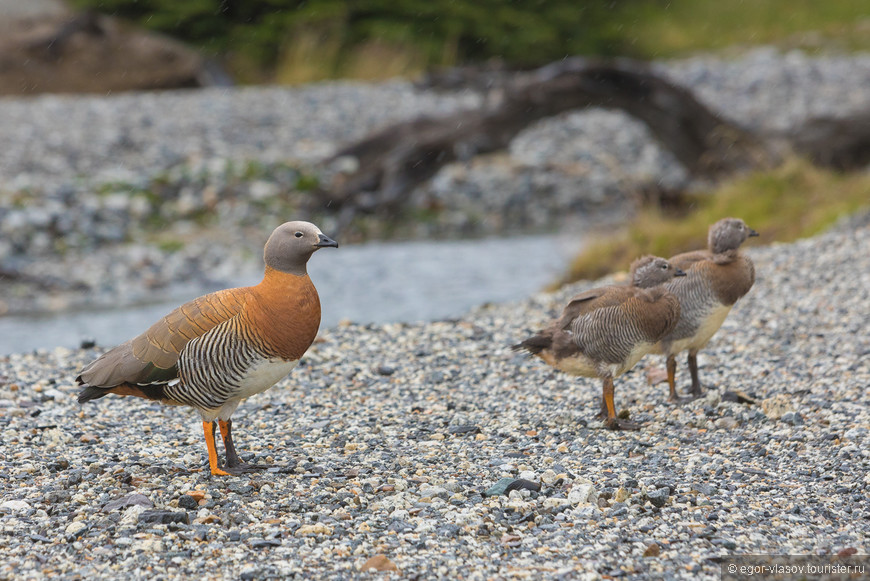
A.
x: 131, y: 515
x: 74, y: 528
x: 15, y: 505
x: 580, y: 493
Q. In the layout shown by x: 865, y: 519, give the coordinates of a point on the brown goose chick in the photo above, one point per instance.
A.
x: 215, y: 351
x: 715, y: 279
x: 605, y: 331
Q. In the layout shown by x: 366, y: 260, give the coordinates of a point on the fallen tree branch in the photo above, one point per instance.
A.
x: 388, y: 165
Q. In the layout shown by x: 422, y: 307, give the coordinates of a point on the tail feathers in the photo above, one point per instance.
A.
x: 90, y: 392
x: 153, y: 391
x: 534, y: 345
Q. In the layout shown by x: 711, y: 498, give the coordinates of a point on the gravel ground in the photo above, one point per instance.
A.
x: 387, y: 436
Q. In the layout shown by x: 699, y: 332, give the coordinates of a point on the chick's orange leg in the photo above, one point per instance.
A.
x: 208, y: 429
x: 612, y: 422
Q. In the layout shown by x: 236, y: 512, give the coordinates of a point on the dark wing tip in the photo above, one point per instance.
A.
x: 533, y: 345
x: 90, y: 392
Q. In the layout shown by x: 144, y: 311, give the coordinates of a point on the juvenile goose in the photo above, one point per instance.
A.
x: 603, y: 332
x: 215, y: 351
x: 715, y: 279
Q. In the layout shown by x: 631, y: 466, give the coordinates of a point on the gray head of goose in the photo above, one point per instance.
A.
x: 728, y: 234
x: 651, y: 271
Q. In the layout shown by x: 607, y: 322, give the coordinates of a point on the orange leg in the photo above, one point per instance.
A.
x: 607, y: 395
x: 612, y: 422
x: 208, y: 428
x: 672, y: 378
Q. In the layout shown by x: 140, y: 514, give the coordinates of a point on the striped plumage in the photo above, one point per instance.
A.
x: 605, y: 331
x: 221, y: 348
x: 715, y: 279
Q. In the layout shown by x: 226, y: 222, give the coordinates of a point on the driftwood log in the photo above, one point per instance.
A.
x: 842, y: 144
x: 380, y: 171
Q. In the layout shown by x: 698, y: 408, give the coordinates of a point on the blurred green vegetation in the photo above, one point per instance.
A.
x: 374, y: 38
x: 794, y: 200
x: 690, y: 26
x: 294, y: 41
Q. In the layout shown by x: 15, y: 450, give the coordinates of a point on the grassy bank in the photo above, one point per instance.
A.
x: 793, y: 201
x: 655, y: 29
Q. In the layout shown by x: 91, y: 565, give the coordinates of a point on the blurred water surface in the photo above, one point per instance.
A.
x: 367, y: 283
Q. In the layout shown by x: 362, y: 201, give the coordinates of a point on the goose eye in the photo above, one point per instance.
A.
x: 299, y: 235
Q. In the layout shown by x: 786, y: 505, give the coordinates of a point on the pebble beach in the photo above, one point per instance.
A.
x: 391, y: 443
x: 423, y: 450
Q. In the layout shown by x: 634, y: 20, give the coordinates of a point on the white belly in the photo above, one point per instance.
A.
x: 581, y: 365
x: 636, y: 355
x: 259, y: 377
x: 708, y: 328
x: 263, y: 375
x: 578, y: 365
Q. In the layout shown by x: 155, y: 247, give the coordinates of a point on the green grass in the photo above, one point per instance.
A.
x: 646, y: 29
x: 170, y: 245
x: 658, y: 29
x: 795, y: 200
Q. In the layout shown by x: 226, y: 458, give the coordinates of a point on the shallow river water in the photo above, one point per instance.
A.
x: 366, y: 283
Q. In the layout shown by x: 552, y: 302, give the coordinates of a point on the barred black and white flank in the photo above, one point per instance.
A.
x: 605, y: 331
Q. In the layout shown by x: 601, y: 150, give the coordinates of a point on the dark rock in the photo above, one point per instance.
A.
x: 464, y: 429
x: 792, y: 418
x: 263, y: 543
x: 57, y: 496
x: 187, y: 502
x: 400, y: 526
x: 74, y: 477
x: 447, y: 531
x: 658, y: 497
x: 386, y: 370
x: 666, y: 484
x: 163, y: 517
x: 725, y: 543
x: 505, y: 485
x: 618, y: 509
x: 242, y: 489
x: 58, y: 465
x: 704, y: 488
